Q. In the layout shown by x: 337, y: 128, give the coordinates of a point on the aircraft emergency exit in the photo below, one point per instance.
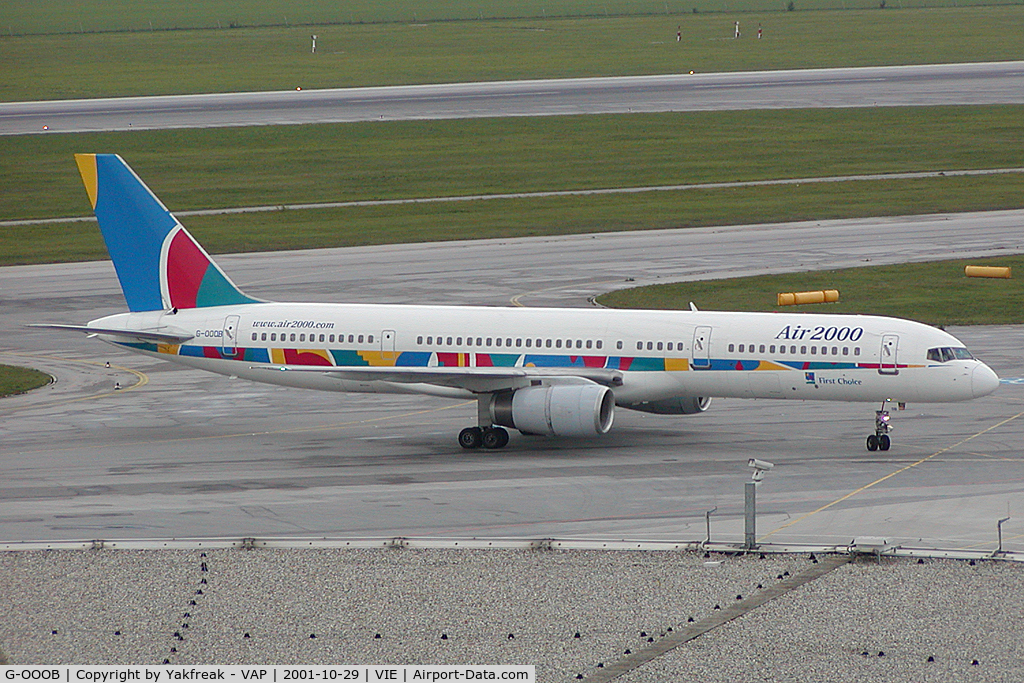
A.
x: 556, y: 372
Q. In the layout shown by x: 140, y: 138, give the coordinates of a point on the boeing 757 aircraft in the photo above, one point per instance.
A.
x: 556, y: 372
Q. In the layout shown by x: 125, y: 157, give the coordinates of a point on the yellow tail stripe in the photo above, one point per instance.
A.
x: 87, y: 167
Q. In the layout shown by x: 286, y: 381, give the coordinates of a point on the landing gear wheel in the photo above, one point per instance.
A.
x: 471, y: 437
x: 873, y: 442
x: 495, y: 437
x: 884, y: 442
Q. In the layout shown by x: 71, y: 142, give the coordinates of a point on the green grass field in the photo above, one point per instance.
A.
x: 197, y: 169
x: 937, y: 293
x: 23, y: 17
x: 214, y: 168
x: 167, y: 62
x: 15, y: 380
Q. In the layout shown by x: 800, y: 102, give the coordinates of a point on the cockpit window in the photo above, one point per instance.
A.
x: 947, y: 353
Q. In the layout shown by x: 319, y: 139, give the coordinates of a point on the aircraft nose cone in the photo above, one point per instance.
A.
x: 983, y: 380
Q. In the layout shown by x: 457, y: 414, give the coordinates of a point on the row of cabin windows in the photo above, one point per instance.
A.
x: 509, y: 342
x: 659, y: 346
x: 754, y: 348
x: 324, y: 338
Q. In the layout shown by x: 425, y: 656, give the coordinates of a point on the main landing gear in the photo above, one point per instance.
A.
x: 880, y: 441
x: 488, y: 437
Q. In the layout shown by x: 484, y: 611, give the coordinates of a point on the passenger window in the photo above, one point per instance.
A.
x: 771, y: 349
x: 254, y: 336
x: 814, y: 350
x: 332, y: 339
x: 639, y: 346
x: 351, y: 338
x: 558, y: 343
x: 293, y: 336
x: 519, y: 342
x: 856, y: 350
x: 835, y: 350
x: 650, y: 346
x: 370, y: 339
x: 498, y: 340
x: 579, y: 344
x: 508, y: 341
x: 547, y: 343
x: 792, y: 349
x: 732, y: 347
x: 782, y: 350
x: 449, y: 341
x: 803, y: 350
x: 263, y: 337
x: 846, y: 350
x: 360, y: 339
x: 588, y: 344
x: 528, y: 343
x: 659, y: 346
x: 762, y: 348
x: 538, y: 344
x: 488, y: 341
x: 599, y: 343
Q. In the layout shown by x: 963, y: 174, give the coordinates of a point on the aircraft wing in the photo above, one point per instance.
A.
x: 166, y: 336
x: 478, y: 379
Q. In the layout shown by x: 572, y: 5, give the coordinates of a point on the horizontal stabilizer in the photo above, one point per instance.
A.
x: 167, y: 336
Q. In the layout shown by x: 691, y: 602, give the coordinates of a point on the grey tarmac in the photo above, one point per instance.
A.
x: 877, y: 86
x: 188, y: 454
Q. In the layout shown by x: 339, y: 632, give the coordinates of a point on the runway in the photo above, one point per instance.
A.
x: 942, y: 84
x: 193, y: 455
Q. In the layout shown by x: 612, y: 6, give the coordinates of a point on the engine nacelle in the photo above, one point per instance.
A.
x: 680, y: 405
x: 559, y: 410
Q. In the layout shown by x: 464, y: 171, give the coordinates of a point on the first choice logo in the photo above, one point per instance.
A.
x: 820, y: 333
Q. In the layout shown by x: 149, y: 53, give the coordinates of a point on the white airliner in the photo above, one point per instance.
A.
x: 559, y: 372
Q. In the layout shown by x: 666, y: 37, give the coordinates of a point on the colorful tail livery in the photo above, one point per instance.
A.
x: 159, y: 264
x: 558, y: 372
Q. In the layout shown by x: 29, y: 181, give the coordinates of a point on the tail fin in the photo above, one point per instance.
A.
x: 158, y: 262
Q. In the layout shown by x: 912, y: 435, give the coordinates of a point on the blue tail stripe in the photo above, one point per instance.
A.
x: 134, y: 225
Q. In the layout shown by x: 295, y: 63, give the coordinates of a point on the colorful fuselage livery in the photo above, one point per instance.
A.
x: 542, y: 371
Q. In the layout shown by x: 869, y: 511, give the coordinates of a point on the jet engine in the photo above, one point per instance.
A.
x: 680, y: 405
x: 559, y: 410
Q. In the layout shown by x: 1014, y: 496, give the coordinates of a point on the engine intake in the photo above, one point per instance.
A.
x: 569, y: 410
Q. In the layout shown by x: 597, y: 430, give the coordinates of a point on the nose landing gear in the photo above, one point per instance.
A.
x: 880, y: 441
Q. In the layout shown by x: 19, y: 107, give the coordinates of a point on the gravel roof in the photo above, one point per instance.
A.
x: 870, y: 620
